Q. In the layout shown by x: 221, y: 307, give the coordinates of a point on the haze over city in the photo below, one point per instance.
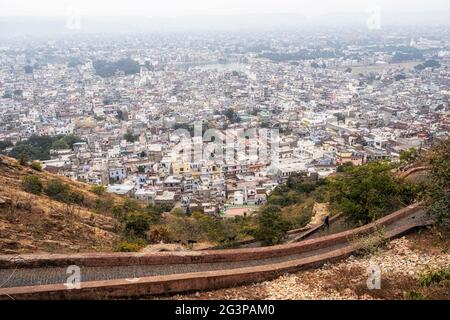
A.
x: 143, y: 142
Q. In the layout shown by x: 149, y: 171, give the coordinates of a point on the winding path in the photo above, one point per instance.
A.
x: 135, y: 275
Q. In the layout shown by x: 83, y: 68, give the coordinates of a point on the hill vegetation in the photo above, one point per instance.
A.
x: 43, y: 212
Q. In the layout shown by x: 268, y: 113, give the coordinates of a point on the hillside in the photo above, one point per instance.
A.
x: 36, y: 223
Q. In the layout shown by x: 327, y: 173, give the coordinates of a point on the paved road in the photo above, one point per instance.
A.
x: 55, y: 275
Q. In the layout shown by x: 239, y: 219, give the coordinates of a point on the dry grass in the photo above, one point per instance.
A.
x: 31, y: 223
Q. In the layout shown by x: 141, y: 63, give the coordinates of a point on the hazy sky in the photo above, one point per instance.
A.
x: 169, y: 8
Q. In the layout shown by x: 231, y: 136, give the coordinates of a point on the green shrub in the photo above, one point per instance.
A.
x: 126, y: 246
x: 32, y: 184
x: 23, y: 159
x: 36, y: 165
x: 74, y: 197
x: 137, y: 224
x: 438, y: 183
x: 60, y: 191
x: 56, y: 189
x: 367, y: 193
x: 413, y: 295
x: 160, y: 233
x: 98, y: 189
x: 435, y: 277
x: 272, y: 228
x: 103, y: 206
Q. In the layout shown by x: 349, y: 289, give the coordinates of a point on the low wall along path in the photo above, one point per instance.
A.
x: 116, y: 275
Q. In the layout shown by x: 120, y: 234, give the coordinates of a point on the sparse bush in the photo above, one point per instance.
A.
x: 36, y: 165
x: 32, y: 184
x: 74, y: 197
x: 185, y: 228
x: 178, y: 212
x: 370, y: 243
x: 60, y: 191
x: 98, y: 189
x: 413, y: 295
x: 23, y: 159
x: 439, y: 277
x: 128, y: 246
x: 298, y: 215
x: 160, y: 233
x: 55, y: 188
x: 103, y: 206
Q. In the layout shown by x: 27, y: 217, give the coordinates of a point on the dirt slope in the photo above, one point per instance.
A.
x: 31, y: 224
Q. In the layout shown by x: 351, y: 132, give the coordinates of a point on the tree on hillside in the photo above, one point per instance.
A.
x: 409, y: 155
x: 271, y: 227
x: 368, y: 192
x: 438, y: 184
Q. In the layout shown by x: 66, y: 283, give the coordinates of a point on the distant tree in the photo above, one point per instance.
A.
x: 141, y: 169
x: 28, y: 69
x: 340, y: 117
x: 60, y: 144
x: 18, y: 93
x: 439, y: 107
x: 232, y: 116
x: 428, y: 64
x: 38, y: 147
x: 5, y: 144
x: 344, y: 167
x: 107, y: 68
x: 129, y: 136
x: 119, y: 115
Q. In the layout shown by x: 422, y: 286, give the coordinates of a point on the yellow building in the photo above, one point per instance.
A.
x: 180, y: 168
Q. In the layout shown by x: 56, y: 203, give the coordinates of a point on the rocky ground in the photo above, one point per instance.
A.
x: 401, y: 263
